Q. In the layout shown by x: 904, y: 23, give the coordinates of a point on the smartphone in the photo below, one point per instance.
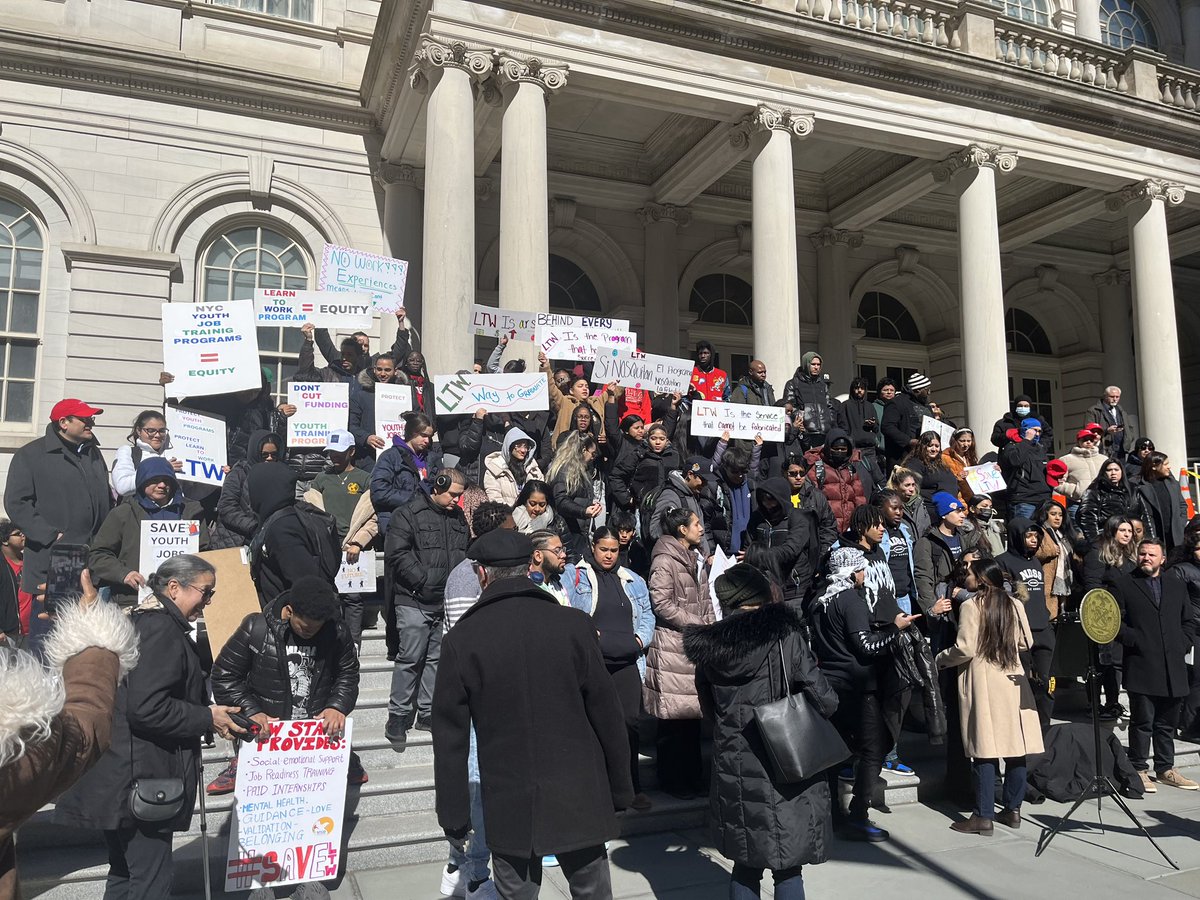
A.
x: 67, y: 562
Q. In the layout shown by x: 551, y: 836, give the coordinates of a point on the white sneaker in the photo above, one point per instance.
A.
x: 453, y: 883
x: 485, y: 891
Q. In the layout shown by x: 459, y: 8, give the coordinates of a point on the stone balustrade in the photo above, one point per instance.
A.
x: 921, y: 23
x: 1060, y: 55
x: 1179, y: 87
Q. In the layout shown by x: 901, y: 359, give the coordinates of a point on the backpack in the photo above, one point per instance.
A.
x: 319, y: 525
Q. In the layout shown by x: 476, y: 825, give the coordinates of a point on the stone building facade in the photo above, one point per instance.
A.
x: 1005, y: 196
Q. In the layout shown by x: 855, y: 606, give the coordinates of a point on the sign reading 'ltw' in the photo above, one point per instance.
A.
x: 464, y: 394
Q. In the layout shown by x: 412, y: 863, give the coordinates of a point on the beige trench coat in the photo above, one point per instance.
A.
x: 996, y: 706
x: 679, y: 599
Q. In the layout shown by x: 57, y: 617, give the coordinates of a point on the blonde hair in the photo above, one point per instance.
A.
x: 569, y: 463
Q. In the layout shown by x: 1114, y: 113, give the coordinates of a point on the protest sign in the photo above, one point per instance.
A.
x: 198, y: 440
x: 210, y: 348
x: 944, y: 431
x: 489, y: 321
x: 239, y: 596
x: 577, y: 343
x: 662, y: 374
x: 346, y: 271
x: 325, y: 309
x: 161, y: 540
x: 289, y: 808
x: 720, y: 564
x: 742, y: 421
x: 464, y: 394
x: 985, y: 478
x: 321, y: 409
x: 356, y: 577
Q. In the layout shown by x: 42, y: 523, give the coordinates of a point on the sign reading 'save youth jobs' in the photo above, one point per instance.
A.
x: 347, y: 271
x: 210, y: 348
x: 161, y: 540
x: 325, y: 309
x: 198, y: 440
x: 740, y: 420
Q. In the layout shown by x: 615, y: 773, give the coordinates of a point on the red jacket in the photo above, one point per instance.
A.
x: 843, y: 487
x: 710, y: 385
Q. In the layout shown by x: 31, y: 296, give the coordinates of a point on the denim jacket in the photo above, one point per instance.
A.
x: 580, y: 583
x: 886, y: 546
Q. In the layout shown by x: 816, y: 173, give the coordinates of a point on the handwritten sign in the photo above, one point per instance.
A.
x: 161, y: 540
x: 571, y: 342
x: 290, y: 807
x: 944, y: 431
x: 662, y: 374
x: 325, y: 309
x: 711, y: 419
x: 464, y: 394
x: 392, y: 401
x: 321, y: 409
x: 210, y: 348
x: 346, y: 271
x: 356, y: 577
x: 985, y: 478
x: 488, y: 321
x: 199, y: 440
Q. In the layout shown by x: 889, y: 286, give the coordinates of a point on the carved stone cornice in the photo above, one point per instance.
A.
x: 512, y: 70
x: 386, y: 173
x: 975, y: 156
x: 665, y: 212
x: 770, y: 118
x: 562, y: 212
x: 433, y: 55
x: 1113, y: 276
x: 1168, y: 192
x: 831, y: 237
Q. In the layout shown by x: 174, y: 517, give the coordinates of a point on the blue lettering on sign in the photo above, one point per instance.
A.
x: 485, y: 395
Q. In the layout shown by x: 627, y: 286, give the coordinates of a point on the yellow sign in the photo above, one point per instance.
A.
x: 1100, y: 616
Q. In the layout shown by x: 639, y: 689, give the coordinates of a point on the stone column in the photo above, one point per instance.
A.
x: 402, y: 229
x: 833, y: 304
x: 449, y: 72
x: 1116, y: 335
x: 1189, y: 14
x: 1157, y: 341
x: 972, y: 172
x: 661, y: 282
x: 1087, y: 20
x: 767, y: 133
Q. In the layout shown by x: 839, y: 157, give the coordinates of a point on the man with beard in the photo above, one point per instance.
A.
x: 807, y: 395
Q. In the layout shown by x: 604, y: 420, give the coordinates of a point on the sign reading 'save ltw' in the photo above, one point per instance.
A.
x: 325, y: 309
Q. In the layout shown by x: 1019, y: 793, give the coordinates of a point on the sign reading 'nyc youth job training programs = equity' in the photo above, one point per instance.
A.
x: 198, y: 440
x: 324, y: 309
x: 347, y: 271
x: 741, y: 421
x: 321, y: 409
x: 210, y: 348
x: 663, y: 374
x: 464, y: 394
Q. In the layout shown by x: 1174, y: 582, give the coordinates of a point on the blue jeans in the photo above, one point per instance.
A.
x: 1022, y: 510
x: 986, y: 771
x: 745, y: 881
x: 474, y: 863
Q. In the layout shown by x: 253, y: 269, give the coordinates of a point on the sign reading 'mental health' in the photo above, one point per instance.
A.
x: 198, y: 440
x: 321, y: 409
x: 210, y: 348
x: 324, y: 309
x: 742, y: 421
x: 290, y: 806
x: 662, y: 374
x: 464, y: 394
x: 347, y: 271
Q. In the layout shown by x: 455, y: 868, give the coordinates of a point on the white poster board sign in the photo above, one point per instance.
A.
x: 356, y: 577
x: 464, y: 394
x: 489, y: 321
x: 645, y: 371
x: 198, y: 440
x: 324, y: 309
x: 984, y: 478
x: 160, y: 540
x: 710, y: 419
x: 321, y: 409
x: 210, y: 348
x: 720, y: 563
x: 570, y: 342
x: 945, y: 432
x: 347, y: 271
x: 290, y: 806
x: 392, y: 401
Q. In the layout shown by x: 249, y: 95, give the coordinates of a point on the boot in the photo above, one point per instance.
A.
x: 974, y: 825
x: 1009, y: 818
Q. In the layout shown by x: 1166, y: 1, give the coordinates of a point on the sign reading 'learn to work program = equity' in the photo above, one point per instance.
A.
x: 324, y: 309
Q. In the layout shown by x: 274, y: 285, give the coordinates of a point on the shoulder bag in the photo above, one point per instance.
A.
x: 801, y: 743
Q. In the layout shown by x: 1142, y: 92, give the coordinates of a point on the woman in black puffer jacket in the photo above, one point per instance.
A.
x: 1107, y: 496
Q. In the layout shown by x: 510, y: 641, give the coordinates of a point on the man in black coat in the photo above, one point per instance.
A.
x: 553, y: 754
x: 426, y: 539
x: 1157, y: 630
x: 1023, y: 465
x: 858, y: 418
x: 1022, y: 408
x: 57, y: 488
x: 787, y: 541
x: 902, y: 417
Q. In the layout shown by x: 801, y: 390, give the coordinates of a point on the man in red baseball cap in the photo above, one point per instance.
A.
x: 57, y: 487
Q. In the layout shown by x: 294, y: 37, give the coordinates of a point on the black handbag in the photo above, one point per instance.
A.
x: 154, y: 800
x: 801, y: 743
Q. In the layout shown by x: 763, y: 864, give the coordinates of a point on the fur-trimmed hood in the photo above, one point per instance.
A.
x: 737, y: 644
x: 33, y: 693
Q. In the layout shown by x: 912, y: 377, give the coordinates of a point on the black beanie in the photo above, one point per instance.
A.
x: 740, y: 585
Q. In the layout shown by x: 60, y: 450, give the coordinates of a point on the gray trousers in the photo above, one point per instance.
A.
x: 139, y: 863
x: 420, y: 634
x: 586, y: 872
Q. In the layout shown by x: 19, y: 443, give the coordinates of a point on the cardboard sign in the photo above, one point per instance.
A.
x: 662, y: 374
x: 321, y: 409
x: 160, y: 540
x: 346, y: 271
x: 290, y: 807
x: 199, y: 440
x: 945, y: 432
x: 325, y: 309
x: 573, y: 343
x: 210, y: 348
x: 489, y: 321
x: 357, y: 577
x: 237, y: 597
x: 711, y: 419
x: 464, y: 394
x: 985, y: 478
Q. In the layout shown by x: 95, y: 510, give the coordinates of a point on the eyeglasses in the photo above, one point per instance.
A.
x: 89, y: 421
x: 154, y: 432
x: 795, y: 474
x: 205, y: 593
x: 557, y: 551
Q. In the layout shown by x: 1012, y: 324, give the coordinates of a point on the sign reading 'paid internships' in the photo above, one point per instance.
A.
x: 210, y: 348
x: 324, y: 309
x: 347, y: 271
x: 740, y: 420
x: 662, y: 374
x: 198, y: 440
x: 464, y: 394
x: 576, y: 343
x: 290, y: 806
x: 321, y: 409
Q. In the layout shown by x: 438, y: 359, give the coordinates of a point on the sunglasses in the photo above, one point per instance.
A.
x: 89, y: 421
x: 270, y: 454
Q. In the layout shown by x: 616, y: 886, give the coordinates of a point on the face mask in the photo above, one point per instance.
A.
x: 1022, y: 410
x: 984, y: 515
x: 838, y: 457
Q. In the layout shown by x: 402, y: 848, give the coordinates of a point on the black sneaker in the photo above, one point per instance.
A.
x: 396, y: 733
x: 863, y: 830
x: 424, y: 723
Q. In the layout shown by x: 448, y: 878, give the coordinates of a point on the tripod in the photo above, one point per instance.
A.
x: 1101, y: 785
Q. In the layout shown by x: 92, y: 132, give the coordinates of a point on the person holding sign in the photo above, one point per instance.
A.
x: 927, y: 463
x: 563, y: 401
x: 362, y: 401
x: 116, y: 548
x: 149, y: 437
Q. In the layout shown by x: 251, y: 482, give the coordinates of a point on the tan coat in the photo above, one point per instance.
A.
x: 364, y: 523
x: 996, y: 706
x: 679, y: 599
x: 1083, y: 467
x: 563, y: 407
x: 498, y: 479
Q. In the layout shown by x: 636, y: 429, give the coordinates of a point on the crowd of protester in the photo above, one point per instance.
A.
x: 862, y: 570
